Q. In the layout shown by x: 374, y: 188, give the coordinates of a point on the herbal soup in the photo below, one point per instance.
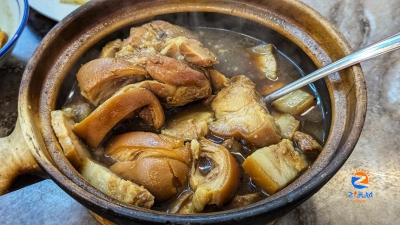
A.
x: 172, y: 119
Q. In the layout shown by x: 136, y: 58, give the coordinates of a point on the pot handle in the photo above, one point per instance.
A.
x: 15, y: 158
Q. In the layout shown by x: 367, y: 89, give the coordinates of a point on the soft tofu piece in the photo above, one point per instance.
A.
x: 294, y: 103
x: 275, y: 166
x: 110, y: 184
x: 287, y: 124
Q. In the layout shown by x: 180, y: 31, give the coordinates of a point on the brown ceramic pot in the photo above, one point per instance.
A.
x: 33, y: 142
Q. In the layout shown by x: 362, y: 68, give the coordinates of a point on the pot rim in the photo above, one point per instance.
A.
x: 33, y: 136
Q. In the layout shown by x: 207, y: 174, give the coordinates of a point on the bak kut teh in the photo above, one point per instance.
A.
x: 172, y: 119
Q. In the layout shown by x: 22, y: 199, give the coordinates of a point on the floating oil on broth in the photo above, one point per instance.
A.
x: 232, y: 51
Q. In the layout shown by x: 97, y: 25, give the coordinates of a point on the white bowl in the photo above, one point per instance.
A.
x: 13, y: 17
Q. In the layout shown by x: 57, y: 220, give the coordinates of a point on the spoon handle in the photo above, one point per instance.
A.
x: 387, y: 45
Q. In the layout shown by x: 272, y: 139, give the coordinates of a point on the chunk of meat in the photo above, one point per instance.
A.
x: 136, y: 57
x: 167, y: 39
x: 240, y: 113
x: 287, y: 125
x: 159, y: 163
x: 218, y: 80
x: 101, y: 78
x: 120, y: 106
x: 194, y: 52
x: 154, y: 35
x: 164, y: 91
x: 217, y: 185
x: 306, y: 143
x: 178, y: 83
x: 110, y: 184
x: 187, y: 94
x: 171, y: 95
x: 190, y: 50
x: 294, y: 103
x: 189, y: 124
x: 273, y: 167
x: 171, y: 71
x: 62, y: 123
x: 162, y: 176
x: 171, y: 48
x: 140, y: 139
x: 264, y: 57
x: 109, y: 50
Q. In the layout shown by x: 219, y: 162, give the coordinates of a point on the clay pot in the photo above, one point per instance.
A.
x: 48, y: 74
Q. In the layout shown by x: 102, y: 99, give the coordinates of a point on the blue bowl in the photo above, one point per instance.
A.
x: 13, y: 18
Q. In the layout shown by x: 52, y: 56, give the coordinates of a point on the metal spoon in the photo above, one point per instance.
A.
x: 387, y: 45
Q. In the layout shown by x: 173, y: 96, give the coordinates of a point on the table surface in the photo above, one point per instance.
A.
x: 362, y: 22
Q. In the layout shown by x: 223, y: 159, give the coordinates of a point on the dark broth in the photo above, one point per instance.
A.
x: 231, y: 49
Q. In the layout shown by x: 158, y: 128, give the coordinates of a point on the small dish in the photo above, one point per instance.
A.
x: 13, y: 18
